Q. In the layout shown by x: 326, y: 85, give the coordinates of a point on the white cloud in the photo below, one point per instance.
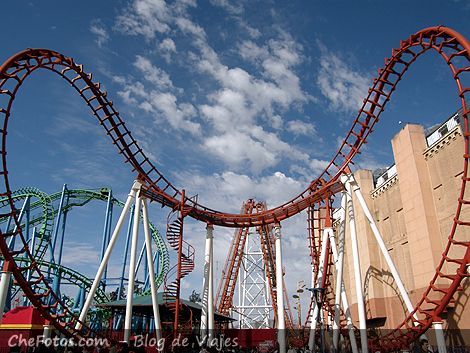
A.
x: 286, y: 49
x: 236, y: 10
x: 253, y: 147
x: 368, y: 161
x: 144, y: 17
x: 235, y: 109
x: 240, y: 103
x: 153, y: 74
x: 232, y: 7
x: 275, y: 121
x: 236, y: 149
x: 127, y: 98
x: 226, y: 191
x: 177, y: 115
x: 250, y: 51
x: 312, y: 169
x: 318, y: 165
x: 159, y: 99
x: 167, y: 47
x: 98, y: 29
x: 189, y: 27
x: 298, y: 127
x: 278, y: 86
x: 181, y: 7
x: 88, y: 254
x: 344, y: 87
x: 252, y: 32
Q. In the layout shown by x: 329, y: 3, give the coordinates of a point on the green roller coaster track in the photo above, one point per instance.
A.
x: 44, y: 219
x: 70, y: 276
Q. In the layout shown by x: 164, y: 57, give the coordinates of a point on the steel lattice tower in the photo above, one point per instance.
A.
x: 254, y: 300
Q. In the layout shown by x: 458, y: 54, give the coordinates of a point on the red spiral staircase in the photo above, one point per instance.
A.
x: 184, y: 265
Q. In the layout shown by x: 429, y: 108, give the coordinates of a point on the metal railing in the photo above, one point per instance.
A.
x: 382, y: 179
x: 449, y: 125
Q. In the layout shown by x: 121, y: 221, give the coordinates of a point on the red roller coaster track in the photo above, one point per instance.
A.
x: 449, y: 44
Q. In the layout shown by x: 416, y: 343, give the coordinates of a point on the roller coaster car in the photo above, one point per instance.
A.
x: 104, y: 191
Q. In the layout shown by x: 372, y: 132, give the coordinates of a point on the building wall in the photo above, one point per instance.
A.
x: 414, y: 212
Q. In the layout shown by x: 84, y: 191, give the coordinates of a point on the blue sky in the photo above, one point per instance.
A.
x: 231, y: 99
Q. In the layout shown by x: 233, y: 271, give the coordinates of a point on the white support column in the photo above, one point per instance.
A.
x: 312, y: 284
x: 207, y: 314
x: 104, y: 261
x: 344, y: 299
x: 339, y: 260
x: 151, y: 270
x: 132, y: 263
x: 357, y: 265
x: 281, y: 324
x: 205, y: 288
x: 313, y: 327
x: 240, y: 297
x: 383, y: 248
x: 47, y: 330
x: 268, y: 308
x: 347, y: 313
x: 5, y: 280
x: 210, y: 296
x: 440, y: 339
x: 316, y: 312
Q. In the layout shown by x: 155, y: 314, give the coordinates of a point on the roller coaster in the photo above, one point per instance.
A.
x: 40, y: 211
x: 152, y: 185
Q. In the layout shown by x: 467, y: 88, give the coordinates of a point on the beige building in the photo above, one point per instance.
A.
x: 413, y: 203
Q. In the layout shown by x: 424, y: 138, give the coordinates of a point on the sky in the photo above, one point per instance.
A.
x: 231, y: 99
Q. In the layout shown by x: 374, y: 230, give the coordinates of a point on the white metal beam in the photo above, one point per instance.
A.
x: 106, y: 256
x: 151, y: 270
x: 281, y: 324
x: 346, y: 180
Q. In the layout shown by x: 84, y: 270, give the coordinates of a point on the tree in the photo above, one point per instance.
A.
x: 113, y: 295
x: 195, y: 297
